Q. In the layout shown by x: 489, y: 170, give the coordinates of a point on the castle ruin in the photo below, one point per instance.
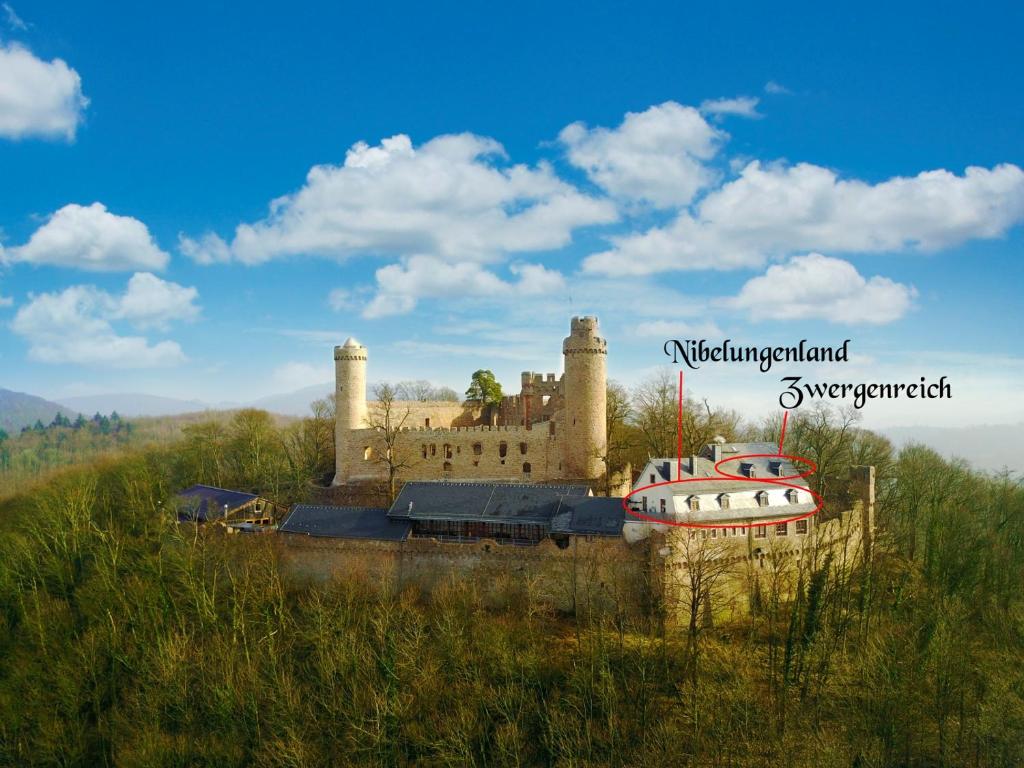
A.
x: 554, y: 429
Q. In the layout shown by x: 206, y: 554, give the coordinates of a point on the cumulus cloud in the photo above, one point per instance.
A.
x: 400, y: 286
x: 816, y: 287
x: 76, y: 324
x: 741, y: 106
x: 775, y: 88
x: 773, y: 210
x: 37, y: 98
x: 451, y: 197
x: 658, y: 155
x: 93, y: 239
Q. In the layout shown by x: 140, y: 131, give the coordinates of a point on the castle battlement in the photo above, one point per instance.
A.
x: 553, y: 428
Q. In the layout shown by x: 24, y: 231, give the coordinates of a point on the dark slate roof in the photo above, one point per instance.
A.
x: 482, y: 502
x: 589, y: 515
x: 344, y: 523
x: 205, y: 502
x: 667, y: 469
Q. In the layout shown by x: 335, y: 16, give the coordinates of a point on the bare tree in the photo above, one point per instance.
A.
x: 655, y: 403
x: 388, y: 417
x: 619, y: 438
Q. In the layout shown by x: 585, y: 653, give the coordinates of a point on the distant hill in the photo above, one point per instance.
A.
x: 18, y: 410
x: 294, y: 403
x: 986, y: 447
x: 133, y: 404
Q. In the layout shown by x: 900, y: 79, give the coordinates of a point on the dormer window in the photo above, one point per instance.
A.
x: 747, y: 469
x: 762, y: 498
x: 723, y: 501
x: 775, y: 468
x: 792, y: 496
x: 694, y: 504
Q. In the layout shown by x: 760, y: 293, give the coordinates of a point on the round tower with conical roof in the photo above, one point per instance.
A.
x: 349, y: 401
x: 584, y: 435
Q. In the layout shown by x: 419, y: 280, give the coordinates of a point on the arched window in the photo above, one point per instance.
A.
x: 522, y: 448
x: 477, y: 449
x: 433, y: 449
x: 367, y: 453
x: 424, y: 450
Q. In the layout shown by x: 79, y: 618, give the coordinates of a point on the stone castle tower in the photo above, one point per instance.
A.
x: 585, y: 390
x: 555, y: 429
x: 349, y: 399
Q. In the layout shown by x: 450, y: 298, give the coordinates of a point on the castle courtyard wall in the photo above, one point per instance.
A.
x: 470, y: 453
x: 590, y: 574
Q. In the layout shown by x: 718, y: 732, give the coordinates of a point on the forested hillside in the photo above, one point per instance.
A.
x: 18, y: 410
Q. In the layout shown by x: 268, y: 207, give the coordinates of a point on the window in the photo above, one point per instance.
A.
x: 433, y: 449
x: 782, y: 529
x: 551, y: 428
x: 760, y: 531
x: 424, y: 450
x: 644, y: 500
x: 447, y: 470
x: 792, y: 496
x: 694, y: 504
x: 367, y: 453
x: 526, y: 468
x: 762, y: 498
x: 477, y: 449
x: 661, y: 505
x: 801, y: 527
x: 723, y: 501
x: 714, y: 533
x: 652, y: 479
x: 522, y: 449
x: 502, y: 449
x: 725, y: 532
x: 426, y: 423
x: 447, y: 451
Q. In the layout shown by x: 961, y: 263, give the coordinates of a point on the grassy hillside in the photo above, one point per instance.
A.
x: 18, y: 410
x: 126, y: 640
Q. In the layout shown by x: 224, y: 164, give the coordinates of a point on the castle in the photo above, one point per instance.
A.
x: 554, y: 429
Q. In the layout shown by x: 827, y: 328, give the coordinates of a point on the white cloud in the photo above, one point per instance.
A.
x: 400, y: 286
x: 822, y: 288
x: 6, y: 301
x: 93, y: 239
x: 76, y: 325
x: 14, y: 21
x: 657, y: 155
x: 778, y: 209
x: 151, y: 302
x: 451, y: 198
x: 742, y: 106
x: 342, y: 299
x: 775, y: 88
x: 37, y: 98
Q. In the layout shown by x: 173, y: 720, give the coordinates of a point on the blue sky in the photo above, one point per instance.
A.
x: 759, y: 173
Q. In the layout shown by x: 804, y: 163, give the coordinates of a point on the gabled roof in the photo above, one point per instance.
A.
x: 481, y: 502
x: 201, y: 503
x: 344, y: 523
x: 589, y: 515
x: 700, y: 467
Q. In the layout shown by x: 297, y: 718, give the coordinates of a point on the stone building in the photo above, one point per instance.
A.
x: 554, y: 429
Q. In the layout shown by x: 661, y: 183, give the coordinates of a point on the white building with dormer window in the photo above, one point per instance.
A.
x: 753, y: 508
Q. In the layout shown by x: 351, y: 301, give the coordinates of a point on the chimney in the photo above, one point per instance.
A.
x: 716, y: 452
x: 693, y: 466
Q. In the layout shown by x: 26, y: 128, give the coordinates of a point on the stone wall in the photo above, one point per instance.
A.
x: 597, y: 573
x: 466, y: 453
